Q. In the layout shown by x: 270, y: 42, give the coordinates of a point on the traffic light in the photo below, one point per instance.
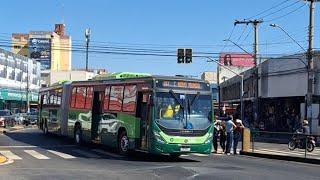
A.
x: 180, y: 56
x: 188, y: 56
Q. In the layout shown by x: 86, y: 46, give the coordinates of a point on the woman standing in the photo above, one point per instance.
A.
x: 237, y: 135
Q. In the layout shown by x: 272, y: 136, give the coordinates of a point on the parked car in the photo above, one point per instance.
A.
x: 6, y: 118
x: 20, y: 117
x: 31, y: 118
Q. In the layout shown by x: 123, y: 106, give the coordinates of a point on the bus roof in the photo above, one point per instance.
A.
x: 128, y: 79
x: 121, y: 75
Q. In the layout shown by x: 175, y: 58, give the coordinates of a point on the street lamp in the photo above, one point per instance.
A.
x: 277, y: 26
x: 241, y: 85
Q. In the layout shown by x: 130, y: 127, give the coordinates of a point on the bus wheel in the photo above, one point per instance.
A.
x: 44, y: 128
x: 175, y: 156
x: 123, y: 143
x: 77, y: 135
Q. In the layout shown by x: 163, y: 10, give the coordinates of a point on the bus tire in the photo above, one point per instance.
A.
x: 123, y: 143
x: 44, y: 128
x: 77, y: 135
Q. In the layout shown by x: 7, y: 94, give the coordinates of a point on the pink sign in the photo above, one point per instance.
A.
x: 237, y: 59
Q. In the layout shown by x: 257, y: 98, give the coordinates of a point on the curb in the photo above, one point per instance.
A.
x: 280, y: 157
x: 3, y: 159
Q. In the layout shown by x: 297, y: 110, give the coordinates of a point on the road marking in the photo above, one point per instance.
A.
x: 84, y: 153
x: 201, y: 155
x: 61, y: 154
x: 184, y: 155
x: 10, y: 155
x: 49, y: 146
x: 36, y: 154
x: 107, y: 153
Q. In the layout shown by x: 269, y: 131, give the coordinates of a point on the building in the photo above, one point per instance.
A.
x: 51, y: 48
x: 282, y: 88
x: 211, y: 77
x: 19, y: 77
x: 74, y: 75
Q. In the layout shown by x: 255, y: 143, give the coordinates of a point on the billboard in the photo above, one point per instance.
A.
x: 237, y: 59
x: 237, y: 62
x: 40, y: 50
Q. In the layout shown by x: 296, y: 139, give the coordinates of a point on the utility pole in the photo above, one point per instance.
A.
x: 255, y: 24
x: 309, y: 54
x: 87, y: 35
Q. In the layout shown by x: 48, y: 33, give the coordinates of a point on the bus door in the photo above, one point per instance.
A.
x: 96, y: 115
x: 143, y: 110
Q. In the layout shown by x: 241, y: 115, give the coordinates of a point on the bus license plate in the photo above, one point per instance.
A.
x: 184, y: 149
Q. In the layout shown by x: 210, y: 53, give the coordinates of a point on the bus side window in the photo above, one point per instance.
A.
x: 73, y: 97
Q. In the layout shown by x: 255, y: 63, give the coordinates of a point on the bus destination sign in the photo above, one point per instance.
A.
x: 181, y: 84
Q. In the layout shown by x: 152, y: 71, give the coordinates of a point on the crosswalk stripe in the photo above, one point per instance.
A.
x: 61, y: 154
x: 36, y: 154
x: 10, y: 155
x: 107, y: 153
x: 84, y: 153
x: 282, y: 152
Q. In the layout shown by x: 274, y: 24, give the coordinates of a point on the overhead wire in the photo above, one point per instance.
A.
x: 279, y: 10
x: 272, y: 7
x: 286, y: 14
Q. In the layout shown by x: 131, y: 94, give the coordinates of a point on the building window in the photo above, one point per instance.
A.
x: 129, y: 100
x: 116, y: 97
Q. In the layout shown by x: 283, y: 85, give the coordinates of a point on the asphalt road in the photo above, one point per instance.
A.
x: 40, y: 157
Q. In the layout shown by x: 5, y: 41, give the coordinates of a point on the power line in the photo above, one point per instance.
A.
x: 243, y: 31
x: 111, y: 47
x: 279, y: 10
x: 229, y: 37
x: 272, y: 7
x: 284, y: 15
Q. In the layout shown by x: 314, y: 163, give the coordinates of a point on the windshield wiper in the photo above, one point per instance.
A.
x: 176, y: 98
x: 195, y: 98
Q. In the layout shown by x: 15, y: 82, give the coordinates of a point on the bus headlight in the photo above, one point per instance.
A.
x: 209, y: 138
x: 158, y: 137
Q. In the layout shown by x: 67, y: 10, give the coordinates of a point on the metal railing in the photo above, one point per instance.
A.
x: 285, y: 144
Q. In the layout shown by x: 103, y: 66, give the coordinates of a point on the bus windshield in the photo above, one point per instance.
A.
x: 183, y: 111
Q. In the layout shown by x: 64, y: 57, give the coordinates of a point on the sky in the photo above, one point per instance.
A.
x: 162, y: 26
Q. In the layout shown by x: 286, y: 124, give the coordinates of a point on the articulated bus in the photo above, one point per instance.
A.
x: 157, y: 114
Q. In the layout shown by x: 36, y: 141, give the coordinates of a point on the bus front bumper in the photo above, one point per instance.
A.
x: 165, y: 148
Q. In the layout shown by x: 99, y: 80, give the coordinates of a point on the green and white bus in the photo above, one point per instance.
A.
x: 127, y: 111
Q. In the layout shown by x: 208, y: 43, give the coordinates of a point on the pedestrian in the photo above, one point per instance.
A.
x: 216, y: 135
x: 229, y: 129
x: 237, y: 135
x: 223, y: 136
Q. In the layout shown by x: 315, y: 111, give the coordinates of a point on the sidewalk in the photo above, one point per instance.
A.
x: 15, y: 128
x: 281, y: 151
